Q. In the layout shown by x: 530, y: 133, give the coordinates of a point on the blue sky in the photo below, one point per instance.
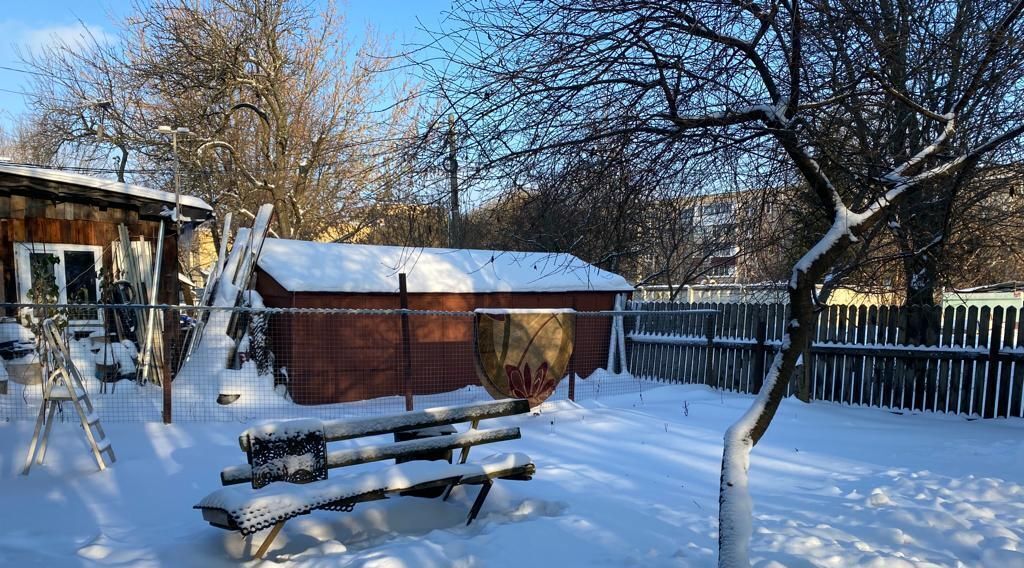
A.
x: 31, y: 24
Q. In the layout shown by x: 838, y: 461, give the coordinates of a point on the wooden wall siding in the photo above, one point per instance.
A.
x: 341, y: 358
x: 967, y: 361
x: 33, y: 219
x: 22, y: 207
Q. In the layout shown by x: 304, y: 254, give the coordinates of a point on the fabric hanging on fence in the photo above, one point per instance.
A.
x: 524, y: 353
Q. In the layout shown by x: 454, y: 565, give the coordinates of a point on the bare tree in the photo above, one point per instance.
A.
x: 773, y: 81
x: 588, y: 203
x: 280, y: 107
x: 20, y: 143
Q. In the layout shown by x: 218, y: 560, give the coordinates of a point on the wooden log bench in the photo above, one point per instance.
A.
x: 288, y: 462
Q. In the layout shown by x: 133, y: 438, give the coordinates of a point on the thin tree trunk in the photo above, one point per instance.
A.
x: 735, y: 507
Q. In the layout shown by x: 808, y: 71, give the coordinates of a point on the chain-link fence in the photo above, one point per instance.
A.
x: 142, y: 363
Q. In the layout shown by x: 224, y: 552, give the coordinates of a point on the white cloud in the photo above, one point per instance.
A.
x: 72, y: 34
x: 18, y: 36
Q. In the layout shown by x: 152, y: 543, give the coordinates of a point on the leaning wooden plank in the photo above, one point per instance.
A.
x: 131, y: 274
x: 218, y: 268
x: 195, y: 335
x: 151, y: 365
x: 260, y: 226
x: 238, y: 321
x: 337, y: 430
x: 270, y: 538
x: 253, y: 510
x: 341, y: 458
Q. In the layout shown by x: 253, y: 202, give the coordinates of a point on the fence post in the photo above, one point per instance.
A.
x: 572, y: 376
x: 761, y: 340
x: 709, y: 333
x: 403, y: 295
x: 166, y: 383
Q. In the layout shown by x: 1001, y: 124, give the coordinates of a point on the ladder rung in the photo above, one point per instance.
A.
x: 62, y: 393
x: 103, y: 445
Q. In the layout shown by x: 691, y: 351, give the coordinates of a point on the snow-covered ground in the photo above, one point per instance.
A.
x: 627, y: 480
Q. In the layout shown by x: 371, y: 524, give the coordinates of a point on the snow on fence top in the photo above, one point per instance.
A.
x: 303, y: 266
x: 106, y: 185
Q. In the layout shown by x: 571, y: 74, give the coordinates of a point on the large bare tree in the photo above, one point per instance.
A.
x: 281, y: 108
x: 790, y: 83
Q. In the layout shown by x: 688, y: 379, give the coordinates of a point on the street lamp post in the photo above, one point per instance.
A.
x: 174, y: 132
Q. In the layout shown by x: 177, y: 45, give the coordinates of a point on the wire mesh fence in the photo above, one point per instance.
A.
x: 153, y: 363
x: 170, y: 363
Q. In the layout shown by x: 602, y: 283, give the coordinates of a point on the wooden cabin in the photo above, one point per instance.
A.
x: 331, y: 358
x: 75, y: 218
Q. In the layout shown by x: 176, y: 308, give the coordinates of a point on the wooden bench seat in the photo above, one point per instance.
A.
x: 288, y: 462
x: 249, y: 510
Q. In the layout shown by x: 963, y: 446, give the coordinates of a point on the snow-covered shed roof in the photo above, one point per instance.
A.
x: 66, y: 184
x: 304, y: 266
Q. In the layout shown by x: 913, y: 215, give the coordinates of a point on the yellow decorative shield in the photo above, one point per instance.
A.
x: 523, y: 353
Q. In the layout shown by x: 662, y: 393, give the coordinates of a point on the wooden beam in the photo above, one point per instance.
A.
x: 270, y: 538
x: 337, y: 430
x: 366, y: 454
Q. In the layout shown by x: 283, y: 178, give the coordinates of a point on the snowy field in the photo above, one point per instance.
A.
x: 621, y: 481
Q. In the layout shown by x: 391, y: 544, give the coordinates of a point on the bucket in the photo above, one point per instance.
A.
x: 25, y: 371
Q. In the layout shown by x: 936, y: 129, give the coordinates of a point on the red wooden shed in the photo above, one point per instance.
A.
x: 337, y: 358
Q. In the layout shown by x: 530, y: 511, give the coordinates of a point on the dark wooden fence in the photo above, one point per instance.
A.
x: 956, y: 360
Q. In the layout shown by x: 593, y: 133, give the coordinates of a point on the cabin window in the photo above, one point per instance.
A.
x: 74, y: 270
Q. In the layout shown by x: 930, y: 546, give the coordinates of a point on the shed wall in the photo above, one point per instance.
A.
x: 39, y: 220
x: 29, y: 219
x: 340, y: 358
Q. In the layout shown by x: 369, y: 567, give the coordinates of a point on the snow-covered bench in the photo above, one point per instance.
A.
x: 288, y: 463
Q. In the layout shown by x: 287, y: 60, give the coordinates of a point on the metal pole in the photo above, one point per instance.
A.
x: 174, y: 132
x: 454, y: 237
x: 177, y: 188
x: 403, y: 295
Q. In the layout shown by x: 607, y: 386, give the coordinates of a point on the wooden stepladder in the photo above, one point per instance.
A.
x: 64, y: 384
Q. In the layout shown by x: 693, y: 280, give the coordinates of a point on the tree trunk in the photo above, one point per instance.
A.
x: 735, y: 507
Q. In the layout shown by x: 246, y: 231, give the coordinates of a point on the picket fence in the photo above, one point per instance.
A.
x: 967, y: 361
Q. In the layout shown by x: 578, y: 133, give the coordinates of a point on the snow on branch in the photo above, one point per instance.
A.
x: 843, y: 226
x: 905, y: 184
x: 896, y: 175
x: 727, y: 117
